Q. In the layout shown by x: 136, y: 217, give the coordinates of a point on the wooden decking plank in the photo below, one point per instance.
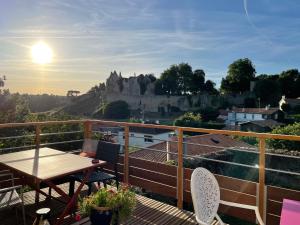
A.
x: 145, y: 206
x: 150, y: 212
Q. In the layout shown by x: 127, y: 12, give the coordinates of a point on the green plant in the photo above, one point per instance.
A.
x: 121, y: 202
x: 116, y: 110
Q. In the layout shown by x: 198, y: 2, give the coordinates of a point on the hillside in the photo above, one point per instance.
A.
x: 84, y: 105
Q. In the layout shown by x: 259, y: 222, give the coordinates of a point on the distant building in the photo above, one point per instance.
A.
x: 194, y: 145
x: 144, y: 137
x: 236, y: 116
x: 223, y: 114
x: 290, y: 101
x: 260, y: 125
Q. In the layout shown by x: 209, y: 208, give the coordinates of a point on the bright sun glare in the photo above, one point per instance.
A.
x: 41, y: 53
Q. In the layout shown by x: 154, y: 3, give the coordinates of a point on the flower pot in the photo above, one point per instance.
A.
x: 101, y: 217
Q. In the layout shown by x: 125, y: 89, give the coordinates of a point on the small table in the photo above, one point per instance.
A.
x: 45, y: 165
x: 290, y: 212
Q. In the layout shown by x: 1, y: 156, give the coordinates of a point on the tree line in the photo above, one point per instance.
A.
x: 181, y: 79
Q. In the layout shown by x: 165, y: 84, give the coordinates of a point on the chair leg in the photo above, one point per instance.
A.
x: 49, y: 194
x: 24, y: 216
x: 117, y: 183
x: 71, y: 188
x: 90, y: 188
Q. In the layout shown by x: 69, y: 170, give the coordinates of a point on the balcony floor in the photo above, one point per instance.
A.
x: 148, y: 211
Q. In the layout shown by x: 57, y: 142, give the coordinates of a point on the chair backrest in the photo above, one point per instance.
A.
x: 205, y: 194
x: 108, y: 152
x: 89, y: 148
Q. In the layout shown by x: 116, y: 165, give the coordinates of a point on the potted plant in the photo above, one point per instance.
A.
x: 108, y: 205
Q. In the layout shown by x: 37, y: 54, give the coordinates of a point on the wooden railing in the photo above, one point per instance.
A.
x: 173, y: 181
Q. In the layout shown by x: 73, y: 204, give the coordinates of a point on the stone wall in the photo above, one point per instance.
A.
x: 129, y: 90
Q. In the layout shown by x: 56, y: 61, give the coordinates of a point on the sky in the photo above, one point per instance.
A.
x: 91, y: 38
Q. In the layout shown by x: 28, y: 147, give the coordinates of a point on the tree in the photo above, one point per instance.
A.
x: 185, y: 75
x: 169, y: 81
x: 262, y: 90
x: 175, y: 80
x: 117, y: 110
x: 208, y: 114
x: 197, y: 82
x: 293, y: 129
x: 209, y: 87
x: 290, y: 83
x: 189, y: 120
x: 239, y: 75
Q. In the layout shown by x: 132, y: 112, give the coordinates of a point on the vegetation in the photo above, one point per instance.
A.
x: 116, y: 110
x: 293, y: 129
x: 208, y: 114
x: 189, y: 120
x: 182, y: 80
x: 122, y: 201
x: 238, y: 78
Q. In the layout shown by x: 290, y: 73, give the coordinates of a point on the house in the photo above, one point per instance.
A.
x: 223, y: 114
x: 144, y: 136
x: 292, y: 102
x: 240, y: 115
x: 194, y: 145
x: 260, y: 125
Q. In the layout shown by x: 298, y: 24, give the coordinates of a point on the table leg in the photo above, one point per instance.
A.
x: 73, y: 199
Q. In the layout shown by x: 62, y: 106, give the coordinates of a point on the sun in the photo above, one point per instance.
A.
x: 41, y: 53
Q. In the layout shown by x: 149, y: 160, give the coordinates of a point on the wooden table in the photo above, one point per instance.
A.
x: 45, y: 165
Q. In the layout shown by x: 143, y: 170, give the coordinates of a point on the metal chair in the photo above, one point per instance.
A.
x: 205, y: 192
x: 9, y: 196
x: 108, y: 152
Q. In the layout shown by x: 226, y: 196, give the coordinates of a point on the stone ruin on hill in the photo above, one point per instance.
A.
x: 139, y: 93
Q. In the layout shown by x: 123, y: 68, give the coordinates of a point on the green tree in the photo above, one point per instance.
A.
x: 117, y: 110
x: 189, y: 120
x: 185, y: 75
x: 239, y: 75
x: 175, y: 80
x: 293, y: 129
x: 262, y: 90
x: 209, y: 87
x: 290, y: 83
x: 208, y: 114
x: 197, y: 82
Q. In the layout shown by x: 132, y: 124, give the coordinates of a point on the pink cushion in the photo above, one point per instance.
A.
x: 290, y: 212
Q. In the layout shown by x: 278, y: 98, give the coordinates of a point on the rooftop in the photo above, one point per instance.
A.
x: 266, y: 110
x: 195, y: 145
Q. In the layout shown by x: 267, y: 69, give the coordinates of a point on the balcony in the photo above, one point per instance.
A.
x: 160, y: 171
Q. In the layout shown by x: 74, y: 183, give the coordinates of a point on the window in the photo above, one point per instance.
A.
x: 245, y: 115
x: 253, y: 116
x: 148, y: 138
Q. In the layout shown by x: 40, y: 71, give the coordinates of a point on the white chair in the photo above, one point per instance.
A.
x: 205, y: 192
x: 9, y: 196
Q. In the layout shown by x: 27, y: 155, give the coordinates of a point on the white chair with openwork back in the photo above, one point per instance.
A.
x: 205, y: 192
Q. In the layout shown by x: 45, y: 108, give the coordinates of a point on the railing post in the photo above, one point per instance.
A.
x: 87, y: 129
x: 126, y: 155
x: 37, y: 136
x: 180, y: 169
x: 261, y: 191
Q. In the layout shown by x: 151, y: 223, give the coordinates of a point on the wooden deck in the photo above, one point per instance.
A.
x: 148, y: 211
